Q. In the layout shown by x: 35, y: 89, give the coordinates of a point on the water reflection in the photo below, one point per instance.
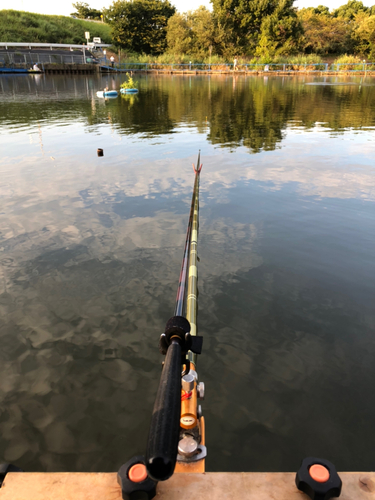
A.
x: 90, y: 251
x: 252, y: 111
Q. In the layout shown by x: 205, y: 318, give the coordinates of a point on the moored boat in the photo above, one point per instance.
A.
x: 107, y: 93
x: 128, y: 91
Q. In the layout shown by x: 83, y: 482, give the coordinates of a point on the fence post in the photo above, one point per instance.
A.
x: 284, y: 67
x: 326, y: 66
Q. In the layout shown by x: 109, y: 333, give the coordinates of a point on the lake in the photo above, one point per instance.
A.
x: 90, y: 253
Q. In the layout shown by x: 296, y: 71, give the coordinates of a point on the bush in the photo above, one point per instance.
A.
x: 349, y: 62
x: 129, y: 84
x: 303, y: 59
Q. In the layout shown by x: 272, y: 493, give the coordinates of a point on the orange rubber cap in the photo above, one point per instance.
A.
x: 319, y: 473
x: 137, y: 473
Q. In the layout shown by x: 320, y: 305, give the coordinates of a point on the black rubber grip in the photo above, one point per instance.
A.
x: 163, y: 437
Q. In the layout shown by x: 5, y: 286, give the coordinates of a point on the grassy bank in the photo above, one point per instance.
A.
x: 18, y: 26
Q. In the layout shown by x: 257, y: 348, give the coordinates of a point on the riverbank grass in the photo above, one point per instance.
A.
x: 24, y: 27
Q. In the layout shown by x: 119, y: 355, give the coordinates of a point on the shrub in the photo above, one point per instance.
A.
x: 349, y: 62
x: 129, y: 84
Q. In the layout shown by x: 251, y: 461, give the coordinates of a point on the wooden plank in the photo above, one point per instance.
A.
x: 60, y: 486
x: 210, y: 486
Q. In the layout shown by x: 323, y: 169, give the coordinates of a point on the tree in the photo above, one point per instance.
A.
x: 192, y: 32
x: 320, y: 9
x: 179, y: 38
x: 324, y: 34
x: 242, y: 20
x: 364, y: 34
x: 350, y: 9
x: 281, y: 32
x: 203, y: 27
x: 84, y: 11
x: 141, y: 25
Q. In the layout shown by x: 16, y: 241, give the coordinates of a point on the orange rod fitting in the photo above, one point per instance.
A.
x: 188, y: 418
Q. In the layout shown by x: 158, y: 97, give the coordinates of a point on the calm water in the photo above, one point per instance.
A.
x: 90, y: 251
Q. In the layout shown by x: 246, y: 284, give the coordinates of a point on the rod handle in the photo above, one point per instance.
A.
x: 164, y: 431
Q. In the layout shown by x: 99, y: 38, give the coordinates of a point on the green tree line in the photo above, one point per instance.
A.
x: 265, y: 30
x: 234, y: 28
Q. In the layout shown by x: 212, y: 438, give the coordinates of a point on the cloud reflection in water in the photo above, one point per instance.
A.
x: 91, y: 249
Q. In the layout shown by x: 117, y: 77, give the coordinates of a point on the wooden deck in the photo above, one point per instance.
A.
x: 209, y: 486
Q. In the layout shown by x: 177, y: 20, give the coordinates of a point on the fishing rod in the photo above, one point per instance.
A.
x: 191, y: 446
x: 180, y: 299
x: 176, y: 425
x: 176, y: 440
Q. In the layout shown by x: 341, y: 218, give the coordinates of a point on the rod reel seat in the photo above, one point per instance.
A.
x: 178, y: 328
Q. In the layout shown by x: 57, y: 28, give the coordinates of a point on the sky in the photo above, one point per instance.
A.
x: 64, y: 7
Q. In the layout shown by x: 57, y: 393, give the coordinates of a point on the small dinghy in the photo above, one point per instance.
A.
x: 107, y: 93
x: 128, y: 91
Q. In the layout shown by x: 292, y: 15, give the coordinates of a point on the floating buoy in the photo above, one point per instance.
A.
x: 100, y: 152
